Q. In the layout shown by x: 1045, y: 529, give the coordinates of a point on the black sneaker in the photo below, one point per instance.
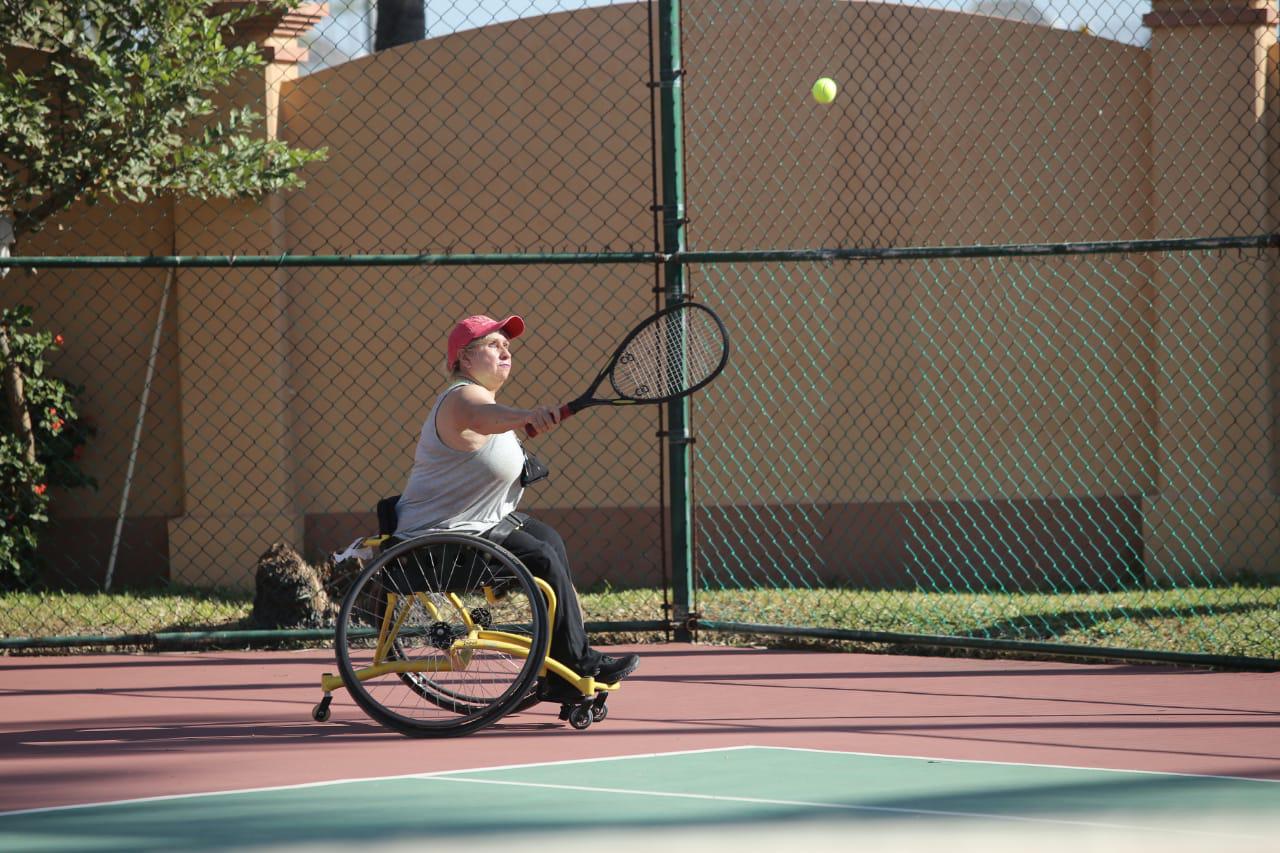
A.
x: 613, y: 669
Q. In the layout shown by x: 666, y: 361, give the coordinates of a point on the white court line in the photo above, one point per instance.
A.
x: 356, y: 779
x: 1019, y: 764
x: 912, y: 812
x: 933, y: 758
x: 596, y: 760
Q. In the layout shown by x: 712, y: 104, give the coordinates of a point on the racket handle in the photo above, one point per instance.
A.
x: 565, y: 412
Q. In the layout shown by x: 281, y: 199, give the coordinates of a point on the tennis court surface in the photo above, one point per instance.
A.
x: 714, y: 747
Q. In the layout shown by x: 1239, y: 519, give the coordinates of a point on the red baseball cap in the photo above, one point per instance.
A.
x: 477, y: 327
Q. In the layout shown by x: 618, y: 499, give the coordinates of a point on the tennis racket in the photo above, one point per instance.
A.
x: 668, y: 356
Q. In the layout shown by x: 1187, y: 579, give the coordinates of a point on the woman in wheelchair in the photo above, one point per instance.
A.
x: 469, y: 473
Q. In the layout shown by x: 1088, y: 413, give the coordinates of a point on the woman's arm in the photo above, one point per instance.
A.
x: 471, y: 413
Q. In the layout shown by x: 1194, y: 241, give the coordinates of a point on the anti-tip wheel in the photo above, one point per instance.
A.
x: 581, y: 717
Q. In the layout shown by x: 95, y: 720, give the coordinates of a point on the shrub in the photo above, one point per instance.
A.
x: 60, y: 436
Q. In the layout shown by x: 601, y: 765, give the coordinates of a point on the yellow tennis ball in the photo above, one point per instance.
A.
x: 824, y: 91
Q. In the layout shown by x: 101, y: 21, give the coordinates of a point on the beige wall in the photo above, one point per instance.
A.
x: 453, y: 156
x: 289, y: 400
x: 978, y: 130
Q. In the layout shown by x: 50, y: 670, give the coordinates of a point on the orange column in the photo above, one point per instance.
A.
x: 1213, y: 120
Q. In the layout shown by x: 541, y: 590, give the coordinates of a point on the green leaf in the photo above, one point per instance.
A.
x: 123, y: 110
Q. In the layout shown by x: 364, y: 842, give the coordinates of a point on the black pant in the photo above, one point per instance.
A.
x: 541, y: 549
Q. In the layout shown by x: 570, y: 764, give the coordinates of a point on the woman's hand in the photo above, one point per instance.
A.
x: 544, y: 418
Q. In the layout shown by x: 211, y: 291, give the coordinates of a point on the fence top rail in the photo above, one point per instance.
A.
x: 888, y: 253
x: 891, y: 253
x: 289, y: 260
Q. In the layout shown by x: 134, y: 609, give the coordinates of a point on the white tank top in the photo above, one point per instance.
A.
x: 458, y: 490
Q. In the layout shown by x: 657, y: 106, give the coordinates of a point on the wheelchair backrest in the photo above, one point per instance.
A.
x: 387, y: 519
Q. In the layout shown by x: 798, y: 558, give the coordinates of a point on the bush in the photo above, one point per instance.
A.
x: 60, y: 436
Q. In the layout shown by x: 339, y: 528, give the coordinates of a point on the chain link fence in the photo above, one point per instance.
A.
x: 1003, y: 370
x: 1041, y: 465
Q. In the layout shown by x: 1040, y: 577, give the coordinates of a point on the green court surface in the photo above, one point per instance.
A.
x: 741, y: 798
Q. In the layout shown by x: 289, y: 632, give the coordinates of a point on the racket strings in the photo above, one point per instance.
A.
x: 677, y: 352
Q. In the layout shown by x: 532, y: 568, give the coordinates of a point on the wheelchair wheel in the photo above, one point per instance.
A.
x: 442, y: 635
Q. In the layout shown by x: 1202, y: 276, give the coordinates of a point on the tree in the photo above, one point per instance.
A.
x: 114, y: 100
x: 48, y: 456
x: 100, y: 97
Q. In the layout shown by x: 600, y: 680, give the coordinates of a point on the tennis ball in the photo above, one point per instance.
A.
x: 824, y: 91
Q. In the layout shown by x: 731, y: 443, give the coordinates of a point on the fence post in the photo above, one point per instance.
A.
x: 671, y: 132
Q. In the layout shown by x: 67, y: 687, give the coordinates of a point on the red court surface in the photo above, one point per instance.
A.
x: 111, y: 727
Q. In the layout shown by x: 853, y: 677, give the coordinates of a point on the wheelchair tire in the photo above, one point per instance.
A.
x: 419, y: 597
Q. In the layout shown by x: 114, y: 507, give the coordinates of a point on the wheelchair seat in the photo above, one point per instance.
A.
x: 387, y: 519
x: 439, y: 567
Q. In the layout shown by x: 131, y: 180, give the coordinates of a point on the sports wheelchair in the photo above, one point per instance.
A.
x: 446, y: 633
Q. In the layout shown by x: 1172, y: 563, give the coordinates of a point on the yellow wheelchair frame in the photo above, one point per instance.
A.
x: 460, y: 651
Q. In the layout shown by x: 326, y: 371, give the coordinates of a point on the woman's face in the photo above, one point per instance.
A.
x: 487, y: 360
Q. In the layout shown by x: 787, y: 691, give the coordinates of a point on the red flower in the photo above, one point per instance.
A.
x: 58, y: 340
x: 57, y: 425
x: 40, y: 488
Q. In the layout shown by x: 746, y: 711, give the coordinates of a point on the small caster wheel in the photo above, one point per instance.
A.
x: 598, y: 709
x: 580, y: 717
x: 320, y: 713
